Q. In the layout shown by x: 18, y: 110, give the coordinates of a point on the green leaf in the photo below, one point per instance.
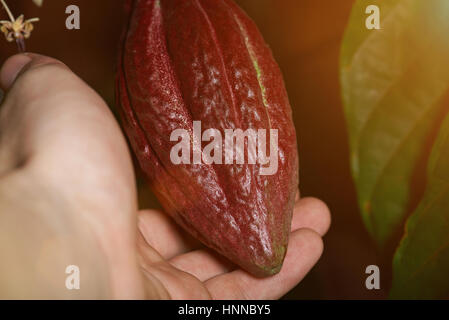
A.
x: 392, y: 82
x: 421, y: 263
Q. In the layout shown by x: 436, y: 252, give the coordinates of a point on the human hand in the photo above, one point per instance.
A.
x: 186, y: 270
x: 68, y: 196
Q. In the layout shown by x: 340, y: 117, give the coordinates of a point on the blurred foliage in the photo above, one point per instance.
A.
x: 395, y: 82
x: 422, y: 259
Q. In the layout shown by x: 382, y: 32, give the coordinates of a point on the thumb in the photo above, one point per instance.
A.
x: 12, y: 68
x: 51, y: 116
x: 19, y: 78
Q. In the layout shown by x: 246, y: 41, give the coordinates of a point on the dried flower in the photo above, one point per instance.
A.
x: 16, y: 29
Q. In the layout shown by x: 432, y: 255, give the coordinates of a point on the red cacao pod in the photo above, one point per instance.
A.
x: 204, y: 60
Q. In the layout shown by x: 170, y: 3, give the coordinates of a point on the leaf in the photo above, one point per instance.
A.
x: 392, y: 82
x: 421, y: 262
x: 38, y: 2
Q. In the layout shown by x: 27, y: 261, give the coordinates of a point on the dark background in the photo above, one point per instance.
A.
x: 305, y: 36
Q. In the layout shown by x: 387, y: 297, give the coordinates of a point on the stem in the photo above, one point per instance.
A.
x: 11, y: 17
x: 21, y: 45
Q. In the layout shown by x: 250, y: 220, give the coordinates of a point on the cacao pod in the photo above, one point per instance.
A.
x: 204, y: 60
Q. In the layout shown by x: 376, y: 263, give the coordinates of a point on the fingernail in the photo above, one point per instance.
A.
x: 11, y: 69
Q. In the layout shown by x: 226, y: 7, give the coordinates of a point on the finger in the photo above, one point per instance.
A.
x: 147, y: 254
x: 163, y: 280
x: 10, y: 158
x: 173, y: 283
x: 313, y: 214
x: 162, y: 233
x: 305, y: 248
x: 147, y: 258
x: 51, y: 115
x: 56, y: 115
x: 11, y: 69
x: 203, y: 264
